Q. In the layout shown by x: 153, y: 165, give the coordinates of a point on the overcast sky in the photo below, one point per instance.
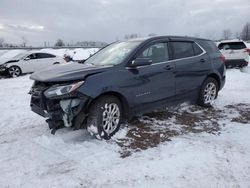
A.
x: 108, y: 20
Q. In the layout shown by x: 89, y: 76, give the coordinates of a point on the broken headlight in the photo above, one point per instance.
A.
x: 62, y: 89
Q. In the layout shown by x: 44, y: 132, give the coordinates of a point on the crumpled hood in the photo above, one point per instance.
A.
x: 66, y: 72
x: 7, y: 60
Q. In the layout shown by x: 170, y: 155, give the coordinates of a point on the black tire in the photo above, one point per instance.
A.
x: 95, y: 121
x: 14, y: 71
x: 203, y: 99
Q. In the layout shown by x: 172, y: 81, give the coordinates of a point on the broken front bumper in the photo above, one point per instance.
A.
x: 63, y: 111
x: 3, y: 69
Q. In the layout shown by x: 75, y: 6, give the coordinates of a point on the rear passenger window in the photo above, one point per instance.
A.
x: 32, y: 56
x: 197, y: 49
x: 44, y: 55
x: 182, y: 49
x: 157, y: 52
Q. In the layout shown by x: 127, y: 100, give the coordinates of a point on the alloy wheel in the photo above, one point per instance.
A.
x: 210, y: 93
x: 110, y: 117
x: 14, y: 71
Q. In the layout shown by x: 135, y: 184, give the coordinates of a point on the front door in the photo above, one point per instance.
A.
x: 153, y: 84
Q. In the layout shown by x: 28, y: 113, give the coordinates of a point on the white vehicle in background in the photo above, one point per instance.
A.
x: 235, y: 52
x: 29, y: 62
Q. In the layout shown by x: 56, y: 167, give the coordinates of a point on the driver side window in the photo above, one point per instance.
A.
x: 158, y: 52
x: 31, y: 56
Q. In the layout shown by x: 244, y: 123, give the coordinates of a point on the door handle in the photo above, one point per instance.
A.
x: 168, y: 67
x: 203, y: 60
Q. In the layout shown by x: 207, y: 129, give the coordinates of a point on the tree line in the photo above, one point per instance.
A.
x: 227, y: 34
x: 61, y: 43
x: 244, y: 34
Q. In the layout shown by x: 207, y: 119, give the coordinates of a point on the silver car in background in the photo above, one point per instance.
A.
x: 235, y: 52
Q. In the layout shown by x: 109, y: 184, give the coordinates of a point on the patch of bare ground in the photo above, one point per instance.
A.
x: 244, y: 113
x: 154, y: 128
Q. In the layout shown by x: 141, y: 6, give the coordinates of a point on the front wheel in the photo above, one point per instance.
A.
x: 14, y: 71
x: 105, y: 116
x: 208, y: 93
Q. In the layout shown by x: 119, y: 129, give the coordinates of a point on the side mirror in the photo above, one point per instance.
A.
x: 27, y: 58
x: 140, y: 62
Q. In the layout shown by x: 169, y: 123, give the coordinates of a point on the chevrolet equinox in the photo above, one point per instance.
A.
x: 125, y: 79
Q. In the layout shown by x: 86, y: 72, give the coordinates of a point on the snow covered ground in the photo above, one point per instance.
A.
x: 186, y: 146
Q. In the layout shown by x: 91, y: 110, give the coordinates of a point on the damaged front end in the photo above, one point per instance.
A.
x: 61, y: 104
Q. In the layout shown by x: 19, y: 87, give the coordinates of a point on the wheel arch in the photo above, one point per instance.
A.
x: 216, y: 77
x: 123, y: 100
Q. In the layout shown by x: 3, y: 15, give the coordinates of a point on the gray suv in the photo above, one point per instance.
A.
x: 125, y: 79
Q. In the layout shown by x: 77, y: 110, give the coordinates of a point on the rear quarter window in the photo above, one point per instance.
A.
x: 197, y: 49
x: 209, y: 46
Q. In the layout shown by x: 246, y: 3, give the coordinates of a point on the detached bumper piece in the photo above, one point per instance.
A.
x: 61, y: 112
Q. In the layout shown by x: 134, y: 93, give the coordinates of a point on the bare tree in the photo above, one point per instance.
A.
x: 226, y: 34
x: 24, y: 41
x: 59, y: 43
x: 245, y: 33
x: 237, y: 35
x: 1, y: 42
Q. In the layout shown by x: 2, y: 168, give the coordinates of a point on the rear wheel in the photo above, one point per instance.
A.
x: 14, y: 71
x: 105, y: 116
x: 208, y: 93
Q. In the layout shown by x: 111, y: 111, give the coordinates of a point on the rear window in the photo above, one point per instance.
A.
x: 232, y: 46
x: 182, y: 49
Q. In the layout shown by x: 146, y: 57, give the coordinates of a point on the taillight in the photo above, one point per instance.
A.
x: 247, y: 50
x: 222, y: 57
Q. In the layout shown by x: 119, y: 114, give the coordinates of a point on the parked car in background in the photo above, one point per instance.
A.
x: 235, y: 52
x: 29, y: 62
x: 128, y: 78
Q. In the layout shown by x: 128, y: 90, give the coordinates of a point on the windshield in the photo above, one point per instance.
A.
x: 113, y: 54
x: 19, y: 56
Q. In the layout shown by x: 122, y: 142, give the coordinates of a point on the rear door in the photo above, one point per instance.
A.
x: 192, y: 66
x: 153, y: 84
